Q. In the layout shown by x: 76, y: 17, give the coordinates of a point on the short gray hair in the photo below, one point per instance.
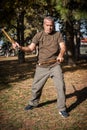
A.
x: 49, y: 18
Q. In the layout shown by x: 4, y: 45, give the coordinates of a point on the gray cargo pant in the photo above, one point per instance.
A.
x: 40, y: 78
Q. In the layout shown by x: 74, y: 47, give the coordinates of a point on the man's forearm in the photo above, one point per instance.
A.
x: 62, y: 50
x: 28, y: 48
x: 25, y: 49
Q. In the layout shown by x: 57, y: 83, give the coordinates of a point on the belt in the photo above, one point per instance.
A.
x: 48, y: 62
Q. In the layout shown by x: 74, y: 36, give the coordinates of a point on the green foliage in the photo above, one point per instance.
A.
x: 78, y: 14
x: 77, y: 8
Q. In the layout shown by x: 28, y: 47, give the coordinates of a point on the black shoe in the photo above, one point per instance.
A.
x: 64, y: 114
x: 29, y: 107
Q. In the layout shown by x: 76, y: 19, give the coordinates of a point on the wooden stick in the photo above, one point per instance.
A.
x: 48, y: 62
x: 8, y: 37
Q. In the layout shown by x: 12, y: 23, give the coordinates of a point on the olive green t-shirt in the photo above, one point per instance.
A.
x: 48, y: 45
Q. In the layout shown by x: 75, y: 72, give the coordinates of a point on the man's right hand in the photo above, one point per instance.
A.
x: 15, y: 45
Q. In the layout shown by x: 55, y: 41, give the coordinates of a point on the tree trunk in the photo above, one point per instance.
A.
x: 70, y: 43
x: 20, y: 36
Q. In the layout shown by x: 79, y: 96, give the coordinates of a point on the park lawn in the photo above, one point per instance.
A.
x: 15, y: 90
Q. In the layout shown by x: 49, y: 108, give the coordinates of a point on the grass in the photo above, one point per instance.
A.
x: 15, y: 91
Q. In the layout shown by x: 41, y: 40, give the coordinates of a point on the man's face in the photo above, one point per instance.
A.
x: 48, y: 26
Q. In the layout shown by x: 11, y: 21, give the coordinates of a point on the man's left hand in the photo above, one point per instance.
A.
x: 60, y: 59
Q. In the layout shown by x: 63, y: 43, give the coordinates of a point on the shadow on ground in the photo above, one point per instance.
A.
x: 11, y: 71
x: 81, y: 95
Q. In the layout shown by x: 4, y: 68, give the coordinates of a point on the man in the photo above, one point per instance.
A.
x: 51, y: 49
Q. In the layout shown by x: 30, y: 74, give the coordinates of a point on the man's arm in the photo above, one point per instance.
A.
x: 28, y: 48
x: 62, y: 52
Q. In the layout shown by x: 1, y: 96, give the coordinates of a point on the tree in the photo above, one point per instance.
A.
x: 26, y: 16
x: 70, y: 12
x: 13, y: 14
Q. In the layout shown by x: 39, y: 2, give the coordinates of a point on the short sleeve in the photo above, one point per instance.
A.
x: 36, y: 38
x: 60, y: 38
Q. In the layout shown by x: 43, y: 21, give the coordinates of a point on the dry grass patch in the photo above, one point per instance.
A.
x: 15, y: 91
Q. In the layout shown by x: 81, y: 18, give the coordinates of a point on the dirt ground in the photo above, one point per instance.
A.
x: 15, y: 91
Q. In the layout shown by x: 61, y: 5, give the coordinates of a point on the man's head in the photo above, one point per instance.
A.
x: 48, y: 24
